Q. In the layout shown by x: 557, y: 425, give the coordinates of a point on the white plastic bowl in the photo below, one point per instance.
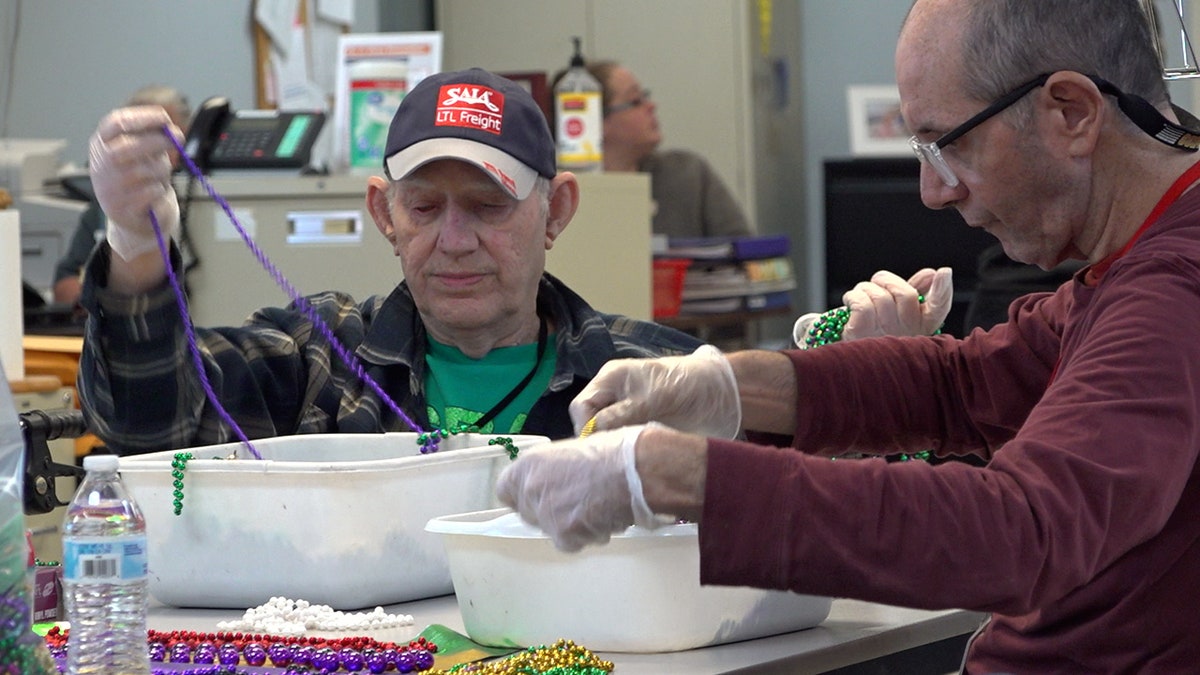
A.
x: 335, y: 519
x: 639, y: 593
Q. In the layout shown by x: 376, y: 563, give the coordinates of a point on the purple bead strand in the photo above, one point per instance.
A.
x: 338, y: 348
x: 193, y: 348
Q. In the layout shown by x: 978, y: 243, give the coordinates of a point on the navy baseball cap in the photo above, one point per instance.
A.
x: 477, y: 117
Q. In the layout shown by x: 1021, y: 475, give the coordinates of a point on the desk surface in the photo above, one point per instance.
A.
x: 854, y: 632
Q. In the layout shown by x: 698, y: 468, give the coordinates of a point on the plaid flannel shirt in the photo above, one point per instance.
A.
x: 277, y: 375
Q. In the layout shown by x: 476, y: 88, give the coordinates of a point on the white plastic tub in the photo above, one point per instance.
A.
x: 639, y: 593
x: 335, y: 519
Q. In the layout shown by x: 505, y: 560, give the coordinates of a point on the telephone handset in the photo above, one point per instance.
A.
x: 221, y: 138
x: 203, y: 130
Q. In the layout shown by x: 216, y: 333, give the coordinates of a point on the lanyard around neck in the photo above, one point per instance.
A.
x: 516, y: 391
x: 1169, y: 197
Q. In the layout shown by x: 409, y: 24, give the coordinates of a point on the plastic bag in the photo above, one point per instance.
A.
x: 21, y: 651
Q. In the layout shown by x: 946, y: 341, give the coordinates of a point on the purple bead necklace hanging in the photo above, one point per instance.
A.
x: 428, y: 440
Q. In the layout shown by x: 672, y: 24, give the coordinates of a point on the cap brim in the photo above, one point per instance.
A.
x: 510, y: 173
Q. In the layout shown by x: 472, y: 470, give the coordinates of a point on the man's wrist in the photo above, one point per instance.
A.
x: 673, y: 468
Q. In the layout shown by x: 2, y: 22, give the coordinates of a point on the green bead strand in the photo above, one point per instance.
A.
x: 827, y: 329
x: 178, y: 465
x: 429, y: 440
x: 508, y: 444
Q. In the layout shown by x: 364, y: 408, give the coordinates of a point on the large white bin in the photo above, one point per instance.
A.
x: 335, y: 519
x: 640, y: 592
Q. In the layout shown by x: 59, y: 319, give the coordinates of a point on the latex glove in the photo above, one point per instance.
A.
x: 801, y: 327
x: 696, y: 393
x: 130, y: 165
x: 888, y: 305
x: 579, y: 491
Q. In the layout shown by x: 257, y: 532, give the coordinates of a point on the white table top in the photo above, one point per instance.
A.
x: 854, y: 632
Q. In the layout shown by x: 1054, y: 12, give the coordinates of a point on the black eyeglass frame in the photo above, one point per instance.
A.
x: 1136, y: 108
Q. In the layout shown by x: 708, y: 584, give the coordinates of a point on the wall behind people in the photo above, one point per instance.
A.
x: 75, y: 61
x: 705, y: 99
x: 97, y: 51
x: 702, y: 97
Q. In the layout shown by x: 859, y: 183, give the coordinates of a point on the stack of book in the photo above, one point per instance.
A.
x: 732, y: 274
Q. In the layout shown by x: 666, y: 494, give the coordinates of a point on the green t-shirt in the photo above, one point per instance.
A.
x: 461, y: 389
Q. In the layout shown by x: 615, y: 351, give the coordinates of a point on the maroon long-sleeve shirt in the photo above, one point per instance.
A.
x: 1081, y: 535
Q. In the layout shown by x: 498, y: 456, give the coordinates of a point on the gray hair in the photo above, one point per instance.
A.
x: 1008, y: 42
x: 172, y: 99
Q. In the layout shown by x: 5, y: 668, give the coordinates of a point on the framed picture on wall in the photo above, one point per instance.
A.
x: 876, y: 128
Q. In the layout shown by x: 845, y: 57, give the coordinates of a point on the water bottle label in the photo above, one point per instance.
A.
x: 105, y: 560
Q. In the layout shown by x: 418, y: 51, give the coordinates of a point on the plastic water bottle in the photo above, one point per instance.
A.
x: 105, y: 575
x: 578, y: 104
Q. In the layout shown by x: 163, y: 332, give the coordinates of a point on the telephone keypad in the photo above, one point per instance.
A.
x: 245, y: 143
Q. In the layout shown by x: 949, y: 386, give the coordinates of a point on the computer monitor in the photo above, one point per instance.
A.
x: 874, y: 220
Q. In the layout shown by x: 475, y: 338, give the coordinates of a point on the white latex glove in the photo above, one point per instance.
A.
x: 888, y: 305
x: 579, y: 491
x: 697, y: 393
x: 130, y: 165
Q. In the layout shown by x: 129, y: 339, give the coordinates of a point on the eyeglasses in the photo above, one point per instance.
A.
x: 931, y: 153
x: 641, y: 99
x: 1136, y: 108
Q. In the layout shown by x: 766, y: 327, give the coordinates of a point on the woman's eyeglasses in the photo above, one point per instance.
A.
x: 638, y: 101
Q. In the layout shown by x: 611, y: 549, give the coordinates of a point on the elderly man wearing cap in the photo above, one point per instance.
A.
x: 476, y: 333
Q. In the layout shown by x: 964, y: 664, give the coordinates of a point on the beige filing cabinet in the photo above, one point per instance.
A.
x: 318, y: 233
x: 47, y: 527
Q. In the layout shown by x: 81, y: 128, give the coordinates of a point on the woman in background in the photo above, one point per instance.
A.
x: 691, y: 199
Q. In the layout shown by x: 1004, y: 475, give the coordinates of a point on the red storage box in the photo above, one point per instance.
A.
x: 668, y: 285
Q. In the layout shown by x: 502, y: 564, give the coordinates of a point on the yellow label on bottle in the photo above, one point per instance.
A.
x: 580, y: 129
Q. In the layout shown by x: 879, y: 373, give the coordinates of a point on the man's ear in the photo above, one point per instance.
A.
x: 380, y: 207
x: 564, y: 201
x: 1077, y: 112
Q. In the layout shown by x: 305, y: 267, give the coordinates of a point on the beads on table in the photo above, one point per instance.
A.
x: 224, y: 653
x: 283, y: 616
x: 564, y: 657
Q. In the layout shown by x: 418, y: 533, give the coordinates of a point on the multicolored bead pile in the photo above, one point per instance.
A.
x: 299, y: 655
x: 20, y: 652
x: 564, y: 657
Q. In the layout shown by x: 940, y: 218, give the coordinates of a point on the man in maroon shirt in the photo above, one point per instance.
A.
x: 1047, y: 124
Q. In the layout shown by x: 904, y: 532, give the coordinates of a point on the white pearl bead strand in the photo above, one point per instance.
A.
x: 284, y: 616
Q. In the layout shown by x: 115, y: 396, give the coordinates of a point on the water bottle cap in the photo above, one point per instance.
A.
x: 101, y: 463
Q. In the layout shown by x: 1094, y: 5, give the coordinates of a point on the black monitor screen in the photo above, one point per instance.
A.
x: 874, y: 220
